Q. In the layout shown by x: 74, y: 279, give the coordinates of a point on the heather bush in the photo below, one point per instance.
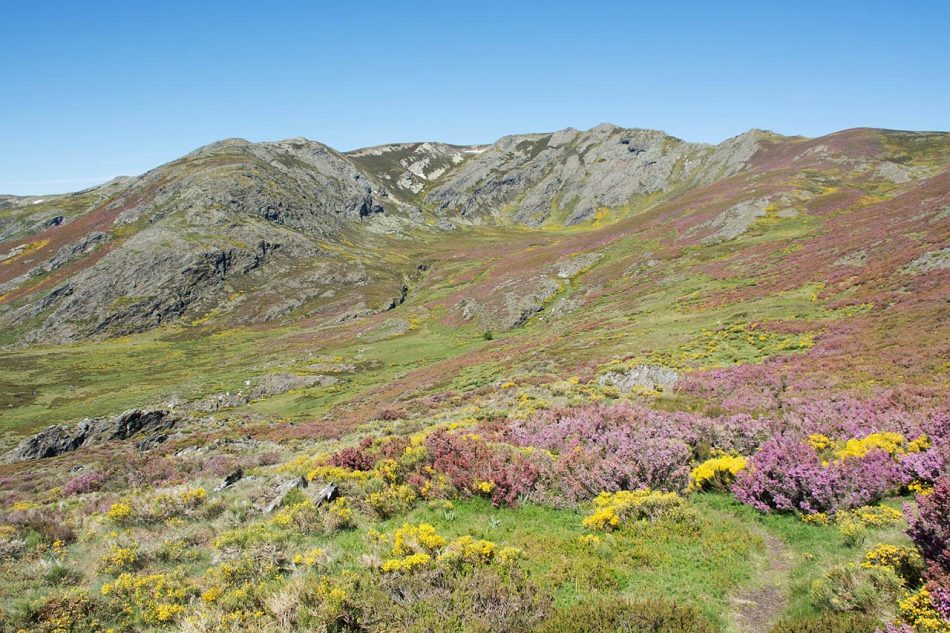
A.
x: 634, y: 616
x: 929, y: 528
x: 788, y: 475
x: 84, y: 483
x: 469, y: 461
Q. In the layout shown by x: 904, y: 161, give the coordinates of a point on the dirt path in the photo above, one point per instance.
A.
x: 756, y: 609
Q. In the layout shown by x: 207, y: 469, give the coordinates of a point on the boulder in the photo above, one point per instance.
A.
x: 650, y: 376
x: 283, y: 490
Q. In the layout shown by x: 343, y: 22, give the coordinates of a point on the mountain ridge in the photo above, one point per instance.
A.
x: 237, y: 218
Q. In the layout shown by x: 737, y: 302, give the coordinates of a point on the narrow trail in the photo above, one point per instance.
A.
x: 756, y: 609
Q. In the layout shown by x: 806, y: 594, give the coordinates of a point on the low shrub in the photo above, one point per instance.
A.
x: 905, y: 561
x: 613, y: 509
x: 717, y: 473
x: 850, y: 588
x: 929, y: 528
x: 629, y: 616
x: 828, y: 623
x: 787, y: 475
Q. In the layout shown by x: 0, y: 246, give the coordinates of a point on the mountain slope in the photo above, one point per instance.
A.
x: 240, y: 232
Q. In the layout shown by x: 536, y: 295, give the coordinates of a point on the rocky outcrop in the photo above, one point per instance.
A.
x: 649, y: 376
x: 282, y: 491
x: 270, y: 385
x: 57, y: 439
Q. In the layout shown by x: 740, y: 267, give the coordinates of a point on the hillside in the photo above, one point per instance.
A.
x: 471, y: 343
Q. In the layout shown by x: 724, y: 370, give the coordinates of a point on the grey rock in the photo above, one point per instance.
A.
x: 57, y: 439
x: 230, y: 479
x: 931, y: 260
x: 282, y: 491
x: 71, y: 252
x: 650, y: 376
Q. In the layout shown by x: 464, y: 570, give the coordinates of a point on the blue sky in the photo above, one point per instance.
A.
x: 91, y: 90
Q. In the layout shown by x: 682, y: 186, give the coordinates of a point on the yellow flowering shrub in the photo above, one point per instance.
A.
x: 918, y: 610
x: 717, y: 473
x: 391, y: 500
x: 406, y: 564
x: 465, y: 551
x: 905, y: 561
x: 120, y: 512
x: 893, y: 443
x: 611, y: 509
x: 411, y: 539
x: 817, y: 518
x: 336, y: 473
x: 120, y: 557
x: 820, y: 442
x: 309, y: 558
x: 150, y: 599
x: 871, y: 516
x: 485, y: 487
x: 338, y: 515
x: 919, y: 488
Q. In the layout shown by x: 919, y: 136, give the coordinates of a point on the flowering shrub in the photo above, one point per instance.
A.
x: 929, y: 528
x: 417, y: 547
x: 918, y: 609
x: 120, y: 512
x: 624, y: 446
x: 84, y: 483
x: 391, y: 500
x: 121, y: 557
x: 469, y: 461
x: 613, y: 509
x: 905, y: 561
x: 150, y: 599
x: 717, y: 473
x: 788, y: 475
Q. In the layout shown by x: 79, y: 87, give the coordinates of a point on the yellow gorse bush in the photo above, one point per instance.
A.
x: 918, y: 610
x: 717, y: 473
x: 871, y: 516
x: 420, y: 546
x: 905, y: 561
x: 119, y: 512
x: 612, y: 509
x: 894, y: 443
x: 411, y: 539
x: 150, y: 599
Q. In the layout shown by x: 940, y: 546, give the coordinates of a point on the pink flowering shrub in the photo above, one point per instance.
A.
x: 470, y: 462
x: 788, y: 475
x: 929, y: 528
x: 626, y: 447
x: 81, y: 484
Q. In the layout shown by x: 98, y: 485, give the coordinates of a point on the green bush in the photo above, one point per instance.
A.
x: 828, y: 623
x: 850, y: 588
x: 627, y: 616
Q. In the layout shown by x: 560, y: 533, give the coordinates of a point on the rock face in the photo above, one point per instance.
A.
x: 567, y: 176
x: 56, y: 440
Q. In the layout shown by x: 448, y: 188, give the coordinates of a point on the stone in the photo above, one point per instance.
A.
x: 283, y: 490
x: 650, y: 376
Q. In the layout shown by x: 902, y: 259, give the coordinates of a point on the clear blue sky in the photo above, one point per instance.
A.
x: 90, y: 90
